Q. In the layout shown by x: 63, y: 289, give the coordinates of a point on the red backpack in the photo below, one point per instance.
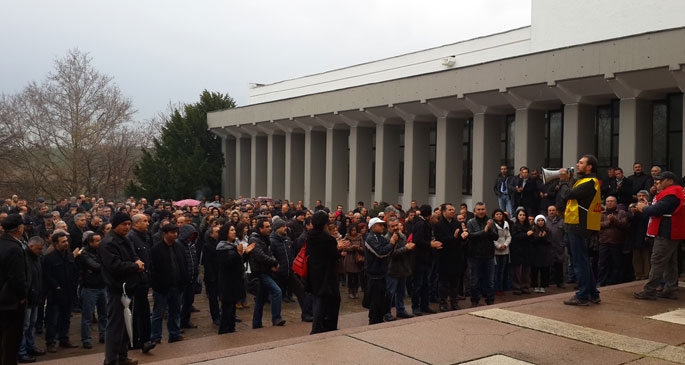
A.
x: 300, y: 265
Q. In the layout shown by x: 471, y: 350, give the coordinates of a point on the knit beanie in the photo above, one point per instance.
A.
x: 120, y: 217
x: 277, y: 223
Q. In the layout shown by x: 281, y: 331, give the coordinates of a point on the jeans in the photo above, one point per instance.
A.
x: 28, y: 340
x: 396, y: 287
x: 91, y: 299
x: 267, y: 287
x: 173, y: 300
x: 482, y: 279
x: 504, y: 201
x: 581, y: 265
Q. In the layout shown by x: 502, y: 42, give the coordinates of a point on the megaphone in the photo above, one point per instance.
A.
x: 553, y: 174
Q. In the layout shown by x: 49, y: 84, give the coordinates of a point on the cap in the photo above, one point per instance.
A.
x: 12, y: 221
x: 666, y: 175
x: 41, y: 200
x: 375, y: 221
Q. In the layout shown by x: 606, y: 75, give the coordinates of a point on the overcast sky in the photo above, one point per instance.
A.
x: 169, y: 51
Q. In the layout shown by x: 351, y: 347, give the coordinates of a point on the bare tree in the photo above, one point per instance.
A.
x: 72, y: 133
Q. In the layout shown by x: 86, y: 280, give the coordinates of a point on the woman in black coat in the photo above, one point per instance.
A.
x: 520, y: 252
x: 231, y: 270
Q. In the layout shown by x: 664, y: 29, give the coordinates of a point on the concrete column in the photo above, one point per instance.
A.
x: 387, y: 163
x: 634, y: 139
x: 259, y: 166
x: 529, y: 139
x: 294, y: 166
x: 243, y: 167
x: 228, y: 176
x: 448, y: 160
x: 579, y: 125
x: 361, y: 170
x: 416, y: 141
x: 337, y: 167
x: 314, y: 166
x: 275, y: 183
x: 486, y: 159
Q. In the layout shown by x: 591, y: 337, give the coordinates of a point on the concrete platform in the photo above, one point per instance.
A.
x: 539, y: 330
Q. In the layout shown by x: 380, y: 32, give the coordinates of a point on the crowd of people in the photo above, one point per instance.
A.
x: 95, y: 257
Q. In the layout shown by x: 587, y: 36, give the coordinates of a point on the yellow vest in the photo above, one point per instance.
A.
x: 594, y: 212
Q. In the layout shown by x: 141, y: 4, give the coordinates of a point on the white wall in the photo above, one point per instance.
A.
x: 562, y: 23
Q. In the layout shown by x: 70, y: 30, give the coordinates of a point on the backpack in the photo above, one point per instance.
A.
x: 301, y: 263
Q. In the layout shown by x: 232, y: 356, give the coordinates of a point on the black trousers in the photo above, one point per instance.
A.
x: 11, y: 334
x: 227, y: 321
x: 326, y: 310
x: 141, y: 318
x: 58, y: 318
x: 376, y: 299
x: 116, y: 337
x: 213, y: 299
x: 187, y: 306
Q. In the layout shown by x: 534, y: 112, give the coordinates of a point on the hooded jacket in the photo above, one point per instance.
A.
x: 187, y: 237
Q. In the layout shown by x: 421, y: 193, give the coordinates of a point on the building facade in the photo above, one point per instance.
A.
x: 435, y: 125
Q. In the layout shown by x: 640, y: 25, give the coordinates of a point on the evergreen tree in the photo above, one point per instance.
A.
x: 186, y: 160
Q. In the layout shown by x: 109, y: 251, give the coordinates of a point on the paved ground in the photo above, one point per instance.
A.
x: 352, y: 315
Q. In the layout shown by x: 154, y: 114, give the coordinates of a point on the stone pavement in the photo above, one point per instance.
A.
x: 538, y: 329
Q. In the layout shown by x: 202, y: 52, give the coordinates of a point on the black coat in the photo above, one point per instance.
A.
x: 422, y: 234
x: 13, y: 273
x: 209, y: 260
x: 282, y: 249
x: 59, y: 271
x: 261, y: 259
x: 450, y: 256
x: 481, y: 243
x: 119, y: 263
x: 160, y: 278
x: 90, y: 268
x: 142, y: 243
x: 230, y: 272
x: 521, y: 244
x: 35, y: 270
x: 322, y: 274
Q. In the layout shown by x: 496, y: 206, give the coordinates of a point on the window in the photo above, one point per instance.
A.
x: 667, y: 133
x: 432, y: 135
x: 507, y: 142
x: 467, y: 158
x: 606, y: 132
x: 554, y: 139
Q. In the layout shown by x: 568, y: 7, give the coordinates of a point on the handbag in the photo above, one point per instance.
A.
x: 301, y: 263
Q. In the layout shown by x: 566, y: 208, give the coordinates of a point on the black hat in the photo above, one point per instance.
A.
x: 119, y: 218
x: 41, y: 200
x: 28, y: 221
x: 277, y: 223
x: 169, y: 228
x: 12, y: 221
x: 666, y: 175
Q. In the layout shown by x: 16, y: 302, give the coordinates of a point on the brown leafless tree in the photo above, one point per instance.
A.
x: 70, y: 134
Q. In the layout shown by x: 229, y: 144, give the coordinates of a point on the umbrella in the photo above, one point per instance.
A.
x: 187, y: 203
x: 128, y: 316
x: 215, y: 205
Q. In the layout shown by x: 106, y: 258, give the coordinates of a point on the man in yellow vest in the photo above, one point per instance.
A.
x: 583, y: 216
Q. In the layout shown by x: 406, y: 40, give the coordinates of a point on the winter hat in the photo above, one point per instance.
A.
x: 277, y: 223
x: 540, y: 216
x: 119, y: 218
